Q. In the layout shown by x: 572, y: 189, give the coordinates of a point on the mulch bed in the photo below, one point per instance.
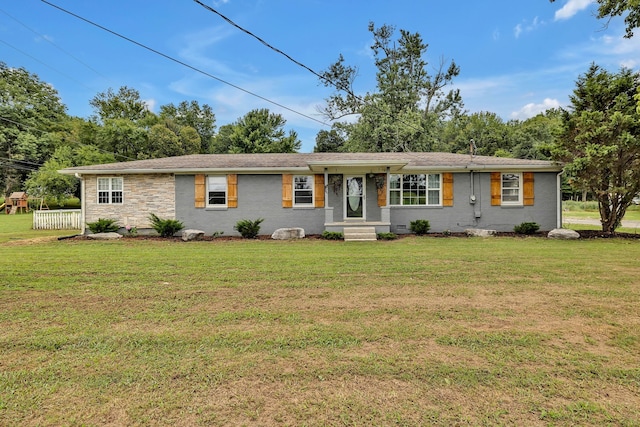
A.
x: 584, y: 234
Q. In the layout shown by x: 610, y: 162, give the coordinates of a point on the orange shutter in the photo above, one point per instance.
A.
x: 496, y: 188
x: 527, y: 182
x: 200, y: 190
x: 232, y: 190
x: 447, y: 189
x: 382, y: 192
x: 287, y: 190
x: 318, y: 191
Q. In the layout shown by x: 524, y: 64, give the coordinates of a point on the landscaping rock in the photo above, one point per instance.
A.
x: 288, y: 233
x: 189, y: 235
x: 104, y: 236
x: 563, y: 234
x: 478, y: 232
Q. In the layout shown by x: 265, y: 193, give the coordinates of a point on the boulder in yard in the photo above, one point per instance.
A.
x: 104, y: 236
x: 288, y: 233
x: 563, y: 234
x: 190, y: 234
x: 478, y: 232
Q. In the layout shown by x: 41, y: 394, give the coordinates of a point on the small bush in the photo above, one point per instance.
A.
x: 165, y: 227
x: 387, y: 236
x: 247, y: 228
x: 526, y: 228
x: 332, y: 235
x: 103, y: 225
x: 420, y: 226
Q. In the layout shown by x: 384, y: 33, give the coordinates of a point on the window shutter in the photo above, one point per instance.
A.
x: 447, y: 189
x: 232, y: 190
x: 382, y: 192
x: 318, y: 191
x: 287, y: 190
x: 496, y: 188
x: 528, y: 193
x: 200, y: 190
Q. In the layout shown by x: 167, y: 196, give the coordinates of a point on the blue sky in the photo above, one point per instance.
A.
x: 517, y: 58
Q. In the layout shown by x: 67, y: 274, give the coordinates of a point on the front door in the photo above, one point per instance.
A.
x: 355, y: 197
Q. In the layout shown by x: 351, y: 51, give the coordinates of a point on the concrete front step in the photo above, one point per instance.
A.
x: 360, y: 234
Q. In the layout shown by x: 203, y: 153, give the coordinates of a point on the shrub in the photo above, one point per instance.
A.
x: 419, y: 226
x: 247, y: 228
x: 526, y: 228
x: 103, y: 225
x: 387, y: 236
x: 165, y: 227
x: 332, y: 235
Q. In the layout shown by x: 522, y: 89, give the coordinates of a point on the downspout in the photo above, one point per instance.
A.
x: 82, y: 203
x: 559, y: 202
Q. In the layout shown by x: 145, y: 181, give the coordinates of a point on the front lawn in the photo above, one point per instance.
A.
x: 417, y: 331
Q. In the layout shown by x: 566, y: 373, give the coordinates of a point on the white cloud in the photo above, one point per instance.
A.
x: 527, y: 27
x: 533, y: 109
x: 571, y: 8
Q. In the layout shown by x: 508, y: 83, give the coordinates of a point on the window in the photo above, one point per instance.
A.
x: 303, y: 190
x: 110, y: 191
x: 216, y: 191
x: 511, y: 189
x: 415, y: 190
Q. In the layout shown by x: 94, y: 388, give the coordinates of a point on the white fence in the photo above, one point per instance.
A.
x: 66, y: 219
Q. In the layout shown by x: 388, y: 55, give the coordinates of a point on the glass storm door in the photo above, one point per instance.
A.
x: 354, y: 197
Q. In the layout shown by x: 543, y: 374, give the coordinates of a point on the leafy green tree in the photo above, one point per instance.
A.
x: 46, y: 182
x: 331, y: 141
x: 600, y: 140
x: 124, y: 138
x: 29, y: 110
x: 612, y: 8
x: 125, y: 104
x: 401, y: 114
x: 259, y: 131
x: 192, y: 115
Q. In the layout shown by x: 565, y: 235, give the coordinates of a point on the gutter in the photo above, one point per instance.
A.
x: 559, y: 202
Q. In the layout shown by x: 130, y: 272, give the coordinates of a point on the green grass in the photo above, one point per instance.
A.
x: 414, y: 331
x: 19, y: 227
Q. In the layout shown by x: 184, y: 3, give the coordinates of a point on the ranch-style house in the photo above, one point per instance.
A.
x: 325, y: 191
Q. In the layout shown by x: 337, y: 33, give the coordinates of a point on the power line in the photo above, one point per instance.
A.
x: 184, y: 64
x: 54, y: 44
x: 31, y: 128
x: 322, y: 77
x: 45, y: 64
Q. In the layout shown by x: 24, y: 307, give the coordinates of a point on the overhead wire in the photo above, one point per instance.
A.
x: 31, y: 128
x: 290, y: 58
x: 48, y: 40
x: 184, y: 64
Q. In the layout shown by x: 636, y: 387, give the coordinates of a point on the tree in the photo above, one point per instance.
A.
x: 400, y: 115
x: 600, y: 141
x: 329, y: 141
x: 125, y: 104
x: 46, y: 182
x: 29, y: 110
x: 192, y: 115
x: 612, y: 8
x: 257, y: 132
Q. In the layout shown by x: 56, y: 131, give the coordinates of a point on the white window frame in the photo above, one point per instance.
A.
x: 400, y: 191
x: 223, y: 187
x: 518, y: 188
x: 111, y: 191
x: 310, y: 182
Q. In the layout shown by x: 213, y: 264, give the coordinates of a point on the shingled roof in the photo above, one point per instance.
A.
x: 312, y: 161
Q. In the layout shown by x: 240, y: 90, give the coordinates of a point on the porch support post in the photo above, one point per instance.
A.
x: 328, y: 210
x: 385, y: 211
